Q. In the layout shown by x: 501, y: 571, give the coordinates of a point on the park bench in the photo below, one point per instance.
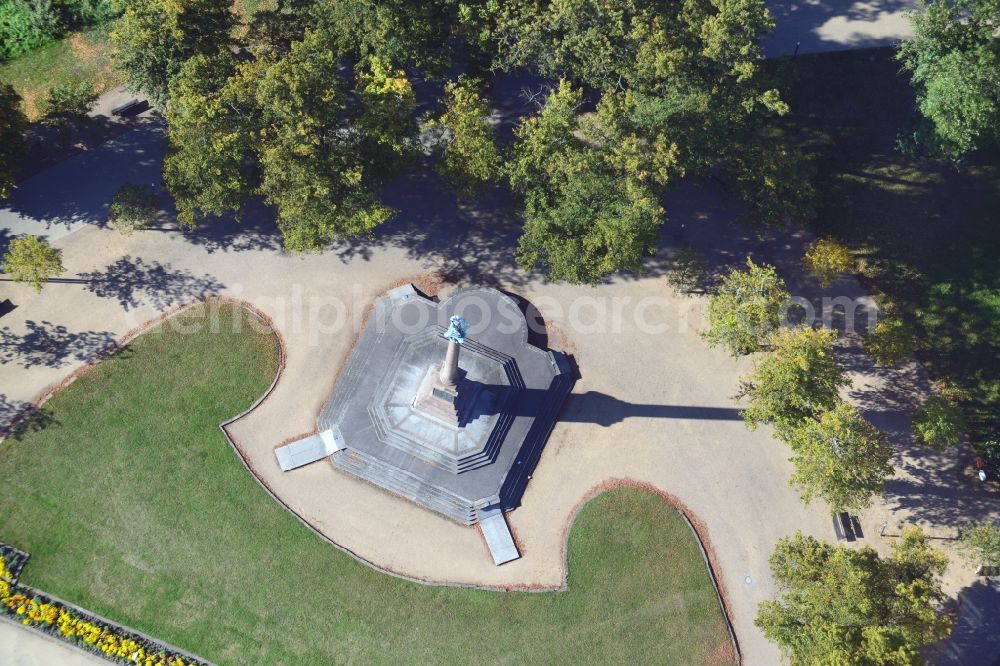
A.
x: 130, y: 108
x: 843, y: 527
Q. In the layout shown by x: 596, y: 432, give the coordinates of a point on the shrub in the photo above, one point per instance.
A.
x: 891, y: 342
x: 980, y: 544
x: 70, y: 99
x: 23, y: 26
x: 133, y: 208
x: 938, y: 423
x: 826, y: 260
x: 30, y: 259
x: 27, y: 24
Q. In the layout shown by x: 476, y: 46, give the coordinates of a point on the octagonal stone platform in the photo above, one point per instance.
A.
x: 510, y: 394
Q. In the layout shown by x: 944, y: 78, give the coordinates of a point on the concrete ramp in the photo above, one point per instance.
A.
x: 498, y: 538
x: 309, y: 449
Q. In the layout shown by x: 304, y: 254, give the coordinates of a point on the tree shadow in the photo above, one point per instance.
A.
x: 975, y: 638
x: 132, y: 281
x: 78, y: 190
x: 256, y: 229
x: 53, y: 346
x: 18, y: 418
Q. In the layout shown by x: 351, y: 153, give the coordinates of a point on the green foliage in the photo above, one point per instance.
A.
x: 23, y: 26
x: 386, y: 122
x: 133, y: 208
x: 70, y: 99
x: 746, y: 308
x: 990, y: 451
x: 12, y: 127
x: 840, y: 458
x: 938, y: 423
x: 687, y: 270
x: 980, y: 544
x: 470, y: 158
x: 396, y: 31
x: 850, y: 606
x: 954, y: 59
x: 827, y: 259
x: 317, y: 179
x: 210, y: 126
x: 891, y: 342
x: 28, y: 24
x: 153, y: 39
x: 799, y: 379
x: 585, y: 216
x: 30, y: 259
x: 678, y: 87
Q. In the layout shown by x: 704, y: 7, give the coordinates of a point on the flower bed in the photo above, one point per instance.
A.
x: 12, y: 560
x: 76, y: 626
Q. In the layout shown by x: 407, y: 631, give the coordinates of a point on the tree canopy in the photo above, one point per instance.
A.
x: 799, y: 379
x: 31, y: 259
x: 639, y: 94
x: 469, y: 159
x: 954, y: 60
x: 841, y: 458
x: 939, y: 423
x: 746, y: 308
x: 850, y: 606
x: 153, y: 39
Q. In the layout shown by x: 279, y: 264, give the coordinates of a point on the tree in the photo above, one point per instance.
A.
x: 30, y: 259
x: 584, y: 216
x: 133, y: 208
x: 470, y: 158
x: 677, y: 86
x: 70, y: 99
x: 938, y: 423
x: 799, y: 379
x: 746, y: 308
x: 687, y: 270
x: 954, y: 60
x: 980, y: 544
x: 841, y: 458
x: 153, y: 39
x: 850, y: 606
x: 386, y: 120
x: 211, y: 124
x: 13, y: 124
x: 826, y: 260
x: 891, y: 342
x: 314, y: 170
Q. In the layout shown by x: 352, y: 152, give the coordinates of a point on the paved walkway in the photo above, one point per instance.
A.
x: 20, y: 646
x: 834, y: 25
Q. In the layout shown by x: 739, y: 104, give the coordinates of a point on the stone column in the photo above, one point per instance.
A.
x: 449, y: 369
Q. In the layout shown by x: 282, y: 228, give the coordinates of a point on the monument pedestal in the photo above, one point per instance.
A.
x: 454, y: 404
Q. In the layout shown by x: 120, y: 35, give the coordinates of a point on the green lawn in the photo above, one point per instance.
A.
x: 925, y: 232
x: 83, y: 55
x: 132, y: 504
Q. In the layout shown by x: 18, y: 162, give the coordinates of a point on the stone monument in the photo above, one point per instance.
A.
x: 445, y: 404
